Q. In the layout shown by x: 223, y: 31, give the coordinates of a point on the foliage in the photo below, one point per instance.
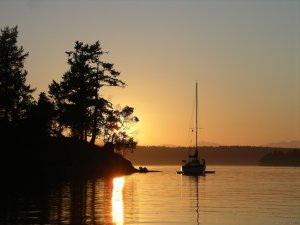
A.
x: 78, y: 102
x: 77, y: 96
x: 74, y: 104
x: 41, y: 117
x: 15, y: 95
x: 117, y: 129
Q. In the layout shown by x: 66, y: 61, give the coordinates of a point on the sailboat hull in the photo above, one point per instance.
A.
x: 191, y: 168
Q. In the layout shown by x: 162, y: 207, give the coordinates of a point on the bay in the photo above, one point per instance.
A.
x: 233, y: 195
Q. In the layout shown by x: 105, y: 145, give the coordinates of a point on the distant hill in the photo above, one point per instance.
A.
x: 279, y: 158
x: 285, y: 144
x: 220, y: 155
x: 202, y: 143
x: 207, y: 143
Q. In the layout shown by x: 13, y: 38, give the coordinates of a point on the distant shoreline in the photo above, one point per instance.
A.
x: 221, y: 155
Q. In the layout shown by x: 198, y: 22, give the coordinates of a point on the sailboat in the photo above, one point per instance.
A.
x: 193, y: 166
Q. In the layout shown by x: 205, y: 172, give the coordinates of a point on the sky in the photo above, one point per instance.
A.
x: 244, y: 54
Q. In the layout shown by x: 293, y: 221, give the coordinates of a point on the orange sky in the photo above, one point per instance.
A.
x: 244, y: 54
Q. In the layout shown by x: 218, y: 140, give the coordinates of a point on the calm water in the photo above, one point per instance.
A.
x: 234, y: 195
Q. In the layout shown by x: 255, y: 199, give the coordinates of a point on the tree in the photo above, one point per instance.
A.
x: 41, y: 117
x: 118, y: 129
x: 77, y: 96
x: 15, y: 95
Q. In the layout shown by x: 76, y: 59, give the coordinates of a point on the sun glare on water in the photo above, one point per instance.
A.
x: 117, y: 201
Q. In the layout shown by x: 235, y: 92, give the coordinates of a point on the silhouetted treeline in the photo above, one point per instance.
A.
x: 73, y: 105
x: 221, y: 155
x: 280, y: 158
x: 72, y: 108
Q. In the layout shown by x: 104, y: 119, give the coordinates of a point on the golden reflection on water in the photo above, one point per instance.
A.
x: 231, y: 196
x: 117, y: 200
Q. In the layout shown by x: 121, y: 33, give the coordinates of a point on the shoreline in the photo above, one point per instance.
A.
x: 60, y: 157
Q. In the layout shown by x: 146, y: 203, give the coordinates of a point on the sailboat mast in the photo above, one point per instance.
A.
x: 197, y: 117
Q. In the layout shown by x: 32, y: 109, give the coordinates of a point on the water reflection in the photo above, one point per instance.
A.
x: 228, y: 197
x: 196, y: 180
x: 117, y: 200
x: 193, y: 188
x: 80, y: 201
